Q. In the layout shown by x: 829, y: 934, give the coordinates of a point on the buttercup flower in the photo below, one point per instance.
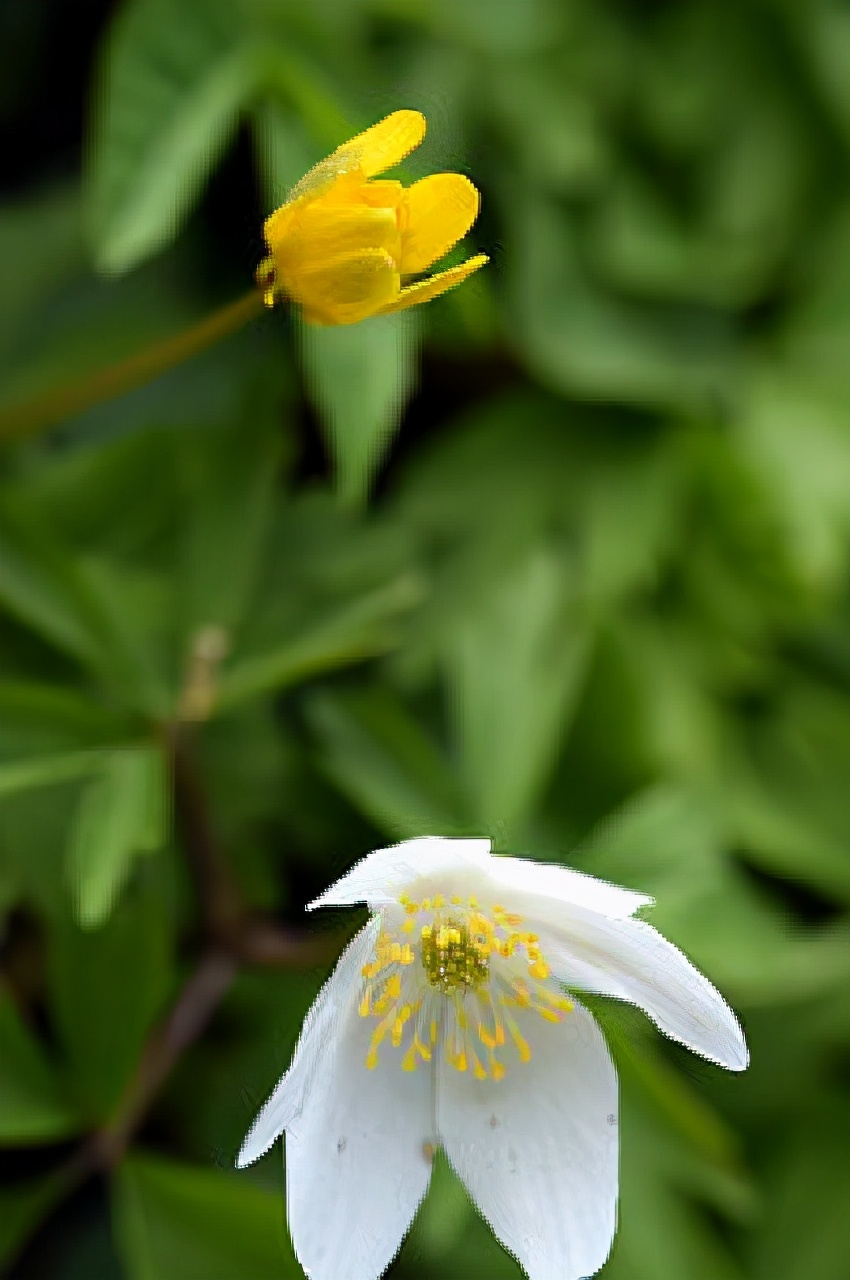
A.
x: 447, y: 1022
x: 342, y: 243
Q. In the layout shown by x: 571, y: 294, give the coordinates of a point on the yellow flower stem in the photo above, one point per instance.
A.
x: 18, y: 421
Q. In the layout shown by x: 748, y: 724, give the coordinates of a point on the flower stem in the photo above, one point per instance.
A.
x: 19, y: 421
x: 196, y: 1004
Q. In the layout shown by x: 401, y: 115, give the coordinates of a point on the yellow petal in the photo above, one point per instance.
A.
x: 322, y: 231
x: 331, y: 191
x: 439, y: 211
x: 277, y: 224
x: 347, y: 190
x: 384, y: 193
x: 425, y: 290
x: 346, y: 288
x: 384, y: 145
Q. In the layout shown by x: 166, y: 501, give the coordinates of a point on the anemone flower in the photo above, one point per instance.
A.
x: 451, y: 1019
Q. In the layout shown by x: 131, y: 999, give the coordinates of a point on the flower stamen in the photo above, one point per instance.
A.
x: 475, y: 966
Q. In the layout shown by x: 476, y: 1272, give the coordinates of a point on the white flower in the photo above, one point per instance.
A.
x: 446, y: 1022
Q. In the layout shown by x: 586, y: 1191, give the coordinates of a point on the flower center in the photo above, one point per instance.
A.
x: 455, y: 958
x: 479, y: 979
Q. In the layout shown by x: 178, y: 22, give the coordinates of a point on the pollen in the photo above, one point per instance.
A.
x: 455, y: 956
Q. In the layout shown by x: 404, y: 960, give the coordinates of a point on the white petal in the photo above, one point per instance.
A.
x: 329, y: 1009
x: 631, y: 961
x: 381, y: 876
x: 358, y: 1157
x: 538, y: 1150
x: 553, y: 887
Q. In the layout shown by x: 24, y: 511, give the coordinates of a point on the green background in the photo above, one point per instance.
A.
x: 561, y: 558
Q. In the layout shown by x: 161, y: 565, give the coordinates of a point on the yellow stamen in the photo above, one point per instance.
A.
x: 455, y: 948
x: 520, y: 1041
x: 422, y: 1049
x: 486, y: 1039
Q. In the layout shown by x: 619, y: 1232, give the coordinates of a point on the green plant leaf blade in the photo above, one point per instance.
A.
x: 167, y: 110
x: 175, y: 1222
x: 33, y: 1106
x: 122, y: 812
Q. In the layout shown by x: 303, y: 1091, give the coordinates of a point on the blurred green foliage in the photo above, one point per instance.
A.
x: 562, y: 559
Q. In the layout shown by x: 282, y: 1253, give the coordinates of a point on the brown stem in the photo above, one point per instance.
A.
x: 264, y: 945
x: 217, y: 891
x: 197, y: 1002
x: 234, y: 938
x: 249, y: 940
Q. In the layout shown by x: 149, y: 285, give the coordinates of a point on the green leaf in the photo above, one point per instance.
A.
x: 360, y: 377
x: 283, y: 149
x: 33, y: 1106
x: 298, y: 122
x: 827, y: 44
x: 515, y: 665
x: 87, y: 608
x: 793, y: 434
x: 90, y: 494
x: 445, y: 1217
x: 751, y: 957
x: 665, y: 841
x: 107, y: 986
x: 37, y: 716
x: 48, y: 217
x: 227, y: 480
x: 34, y: 828
x: 671, y: 841
x: 22, y: 1206
x: 123, y: 811
x: 515, y: 455
x: 687, y: 1110
x: 808, y: 1182
x: 499, y: 27
x: 583, y: 341
x: 42, y: 586
x: 660, y: 1230
x: 631, y: 502
x: 358, y: 630
x: 786, y: 840
x: 23, y: 775
x: 133, y: 608
x: 380, y: 758
x: 174, y: 1222
x: 172, y: 86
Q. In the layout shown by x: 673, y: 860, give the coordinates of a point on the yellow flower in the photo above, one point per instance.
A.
x: 342, y: 243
